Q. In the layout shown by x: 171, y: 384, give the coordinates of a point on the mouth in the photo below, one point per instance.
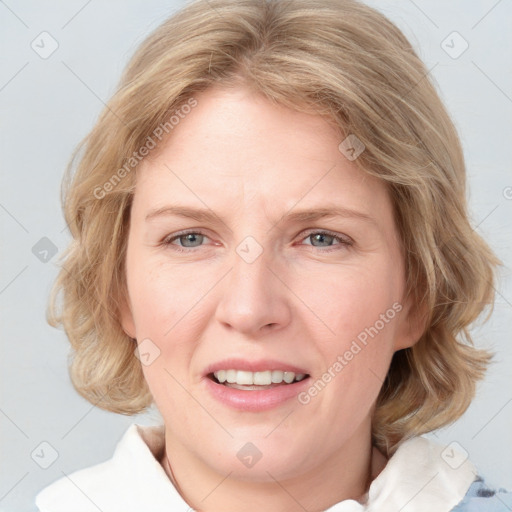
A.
x: 254, y: 385
x: 255, y: 381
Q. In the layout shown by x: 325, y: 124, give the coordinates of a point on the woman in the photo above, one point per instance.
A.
x: 271, y: 243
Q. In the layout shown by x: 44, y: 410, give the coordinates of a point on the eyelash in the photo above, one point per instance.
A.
x: 343, y: 241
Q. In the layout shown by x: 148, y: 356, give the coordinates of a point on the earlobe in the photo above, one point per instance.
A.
x: 126, y: 318
x: 412, y: 324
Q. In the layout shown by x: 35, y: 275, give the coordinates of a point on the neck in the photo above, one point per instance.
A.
x: 346, y: 474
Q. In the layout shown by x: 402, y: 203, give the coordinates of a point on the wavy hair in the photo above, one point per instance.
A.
x: 337, y: 58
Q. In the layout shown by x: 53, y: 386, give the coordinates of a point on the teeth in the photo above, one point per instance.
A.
x: 221, y: 376
x: 262, y: 378
x: 289, y: 377
x: 244, y: 378
x: 265, y: 378
x: 277, y: 376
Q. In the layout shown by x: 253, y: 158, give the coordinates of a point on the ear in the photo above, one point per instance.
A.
x: 412, y: 322
x: 125, y: 311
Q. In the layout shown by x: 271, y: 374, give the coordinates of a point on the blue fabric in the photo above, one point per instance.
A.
x: 480, y: 498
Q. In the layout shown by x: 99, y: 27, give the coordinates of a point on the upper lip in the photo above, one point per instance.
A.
x: 260, y: 365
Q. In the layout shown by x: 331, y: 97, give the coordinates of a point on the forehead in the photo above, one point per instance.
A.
x: 237, y: 149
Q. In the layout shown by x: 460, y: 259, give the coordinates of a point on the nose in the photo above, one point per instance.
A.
x: 253, y: 299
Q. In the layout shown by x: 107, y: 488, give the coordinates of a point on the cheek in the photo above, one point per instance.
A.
x: 167, y: 313
x: 359, y: 313
x: 351, y: 303
x: 165, y: 297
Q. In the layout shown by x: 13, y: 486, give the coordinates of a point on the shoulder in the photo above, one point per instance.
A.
x: 120, y: 484
x: 77, y: 487
x: 419, y: 477
x: 482, y: 498
x: 447, y: 480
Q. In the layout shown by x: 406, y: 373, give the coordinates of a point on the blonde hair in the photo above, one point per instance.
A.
x: 337, y: 58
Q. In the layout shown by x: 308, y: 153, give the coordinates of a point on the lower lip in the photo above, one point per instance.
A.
x: 254, y: 400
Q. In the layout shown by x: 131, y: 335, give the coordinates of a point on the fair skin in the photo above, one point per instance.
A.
x: 301, y: 302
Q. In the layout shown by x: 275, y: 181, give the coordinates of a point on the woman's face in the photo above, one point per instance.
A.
x: 258, y: 252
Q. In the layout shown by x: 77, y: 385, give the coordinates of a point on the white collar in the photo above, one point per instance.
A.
x: 415, y: 479
x: 421, y: 476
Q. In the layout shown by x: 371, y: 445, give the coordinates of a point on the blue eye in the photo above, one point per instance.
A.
x: 323, y: 238
x: 188, y: 241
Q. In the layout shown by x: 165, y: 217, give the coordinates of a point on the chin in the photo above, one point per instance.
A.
x: 262, y: 460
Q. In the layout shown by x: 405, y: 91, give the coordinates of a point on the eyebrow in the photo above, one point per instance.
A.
x: 306, y: 215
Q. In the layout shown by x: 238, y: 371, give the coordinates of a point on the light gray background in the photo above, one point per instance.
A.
x: 48, y: 105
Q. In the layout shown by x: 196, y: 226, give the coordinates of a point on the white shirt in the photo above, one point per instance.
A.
x: 421, y: 476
